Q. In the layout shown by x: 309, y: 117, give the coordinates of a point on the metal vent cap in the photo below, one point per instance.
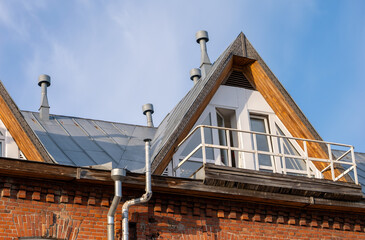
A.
x: 147, y: 108
x: 44, y: 78
x: 202, y: 35
x: 195, y: 72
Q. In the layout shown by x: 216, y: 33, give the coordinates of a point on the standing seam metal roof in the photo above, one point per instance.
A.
x: 85, y: 142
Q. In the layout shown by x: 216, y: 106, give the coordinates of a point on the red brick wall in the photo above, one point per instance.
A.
x: 78, y: 211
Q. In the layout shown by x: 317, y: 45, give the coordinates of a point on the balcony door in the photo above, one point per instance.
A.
x: 262, y: 143
x: 226, y: 118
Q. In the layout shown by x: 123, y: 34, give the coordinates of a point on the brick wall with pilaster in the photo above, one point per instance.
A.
x: 70, y: 210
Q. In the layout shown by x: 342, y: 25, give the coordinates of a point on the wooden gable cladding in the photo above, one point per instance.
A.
x: 22, y: 134
x: 285, y: 112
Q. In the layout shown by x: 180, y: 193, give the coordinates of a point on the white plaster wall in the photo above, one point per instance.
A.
x: 10, y: 149
x: 245, y: 102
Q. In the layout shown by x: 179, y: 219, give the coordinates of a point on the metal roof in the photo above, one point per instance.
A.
x: 85, y: 142
x: 360, y: 165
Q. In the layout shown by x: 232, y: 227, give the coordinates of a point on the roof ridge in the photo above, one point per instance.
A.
x: 84, y: 118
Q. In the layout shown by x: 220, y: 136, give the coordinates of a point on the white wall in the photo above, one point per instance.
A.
x: 244, y: 102
x: 10, y: 149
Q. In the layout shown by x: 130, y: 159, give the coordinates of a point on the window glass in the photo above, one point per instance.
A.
x: 227, y: 118
x: 259, y: 124
x: 195, y: 140
x: 289, y: 149
x: 189, y: 168
x: 222, y: 139
x: 1, y: 149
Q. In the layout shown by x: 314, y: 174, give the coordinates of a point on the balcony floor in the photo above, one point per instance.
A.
x: 237, y: 178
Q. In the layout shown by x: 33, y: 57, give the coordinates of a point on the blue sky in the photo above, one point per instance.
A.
x: 107, y: 58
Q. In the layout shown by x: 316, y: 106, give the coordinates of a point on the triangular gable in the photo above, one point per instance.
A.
x: 22, y: 134
x: 240, y: 56
x: 182, y: 118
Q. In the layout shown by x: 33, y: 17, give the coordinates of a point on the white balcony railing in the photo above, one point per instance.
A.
x: 346, y: 162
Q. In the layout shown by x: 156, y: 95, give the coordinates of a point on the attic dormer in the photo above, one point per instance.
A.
x: 240, y: 118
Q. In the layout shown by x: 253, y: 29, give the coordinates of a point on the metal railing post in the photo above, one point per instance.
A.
x: 272, y: 157
x: 331, y: 161
x: 203, y: 144
x: 229, y: 148
x: 306, y: 158
x: 354, y: 164
x: 283, y: 154
x: 255, y: 150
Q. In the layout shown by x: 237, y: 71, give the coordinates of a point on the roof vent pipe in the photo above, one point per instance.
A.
x: 205, y: 65
x: 145, y: 197
x: 44, y: 81
x: 195, y: 74
x: 148, y: 111
x: 117, y: 175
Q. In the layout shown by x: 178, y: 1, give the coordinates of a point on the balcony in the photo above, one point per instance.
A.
x: 245, y: 150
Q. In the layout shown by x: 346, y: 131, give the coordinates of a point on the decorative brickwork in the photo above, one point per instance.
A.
x: 78, y: 211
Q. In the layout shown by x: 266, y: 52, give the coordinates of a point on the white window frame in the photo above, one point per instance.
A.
x: 268, y: 128
x: 212, y: 110
x: 2, y: 145
x: 273, y: 122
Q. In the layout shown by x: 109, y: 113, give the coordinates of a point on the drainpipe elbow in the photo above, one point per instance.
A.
x: 147, y: 196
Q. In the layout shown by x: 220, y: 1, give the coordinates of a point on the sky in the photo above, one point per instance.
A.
x: 108, y: 58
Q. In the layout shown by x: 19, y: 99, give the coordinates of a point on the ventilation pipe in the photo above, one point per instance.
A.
x: 148, y: 111
x: 44, y: 81
x: 195, y: 74
x: 117, y: 175
x: 145, y: 197
x: 205, y: 65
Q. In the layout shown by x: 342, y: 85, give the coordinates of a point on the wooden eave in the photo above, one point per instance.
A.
x: 19, y: 129
x: 169, y: 185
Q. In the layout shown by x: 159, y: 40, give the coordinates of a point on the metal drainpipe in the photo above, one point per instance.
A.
x: 145, y: 197
x: 117, y: 175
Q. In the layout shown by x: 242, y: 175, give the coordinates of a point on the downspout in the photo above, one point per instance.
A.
x: 117, y: 175
x: 145, y: 197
